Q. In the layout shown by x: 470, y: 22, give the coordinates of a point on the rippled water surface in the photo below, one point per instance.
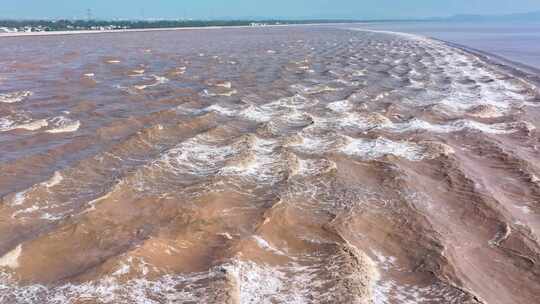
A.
x: 517, y: 41
x: 268, y: 165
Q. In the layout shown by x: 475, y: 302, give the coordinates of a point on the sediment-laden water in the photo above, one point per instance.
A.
x: 270, y: 165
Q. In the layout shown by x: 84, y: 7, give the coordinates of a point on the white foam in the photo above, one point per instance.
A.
x: 34, y: 125
x: 359, y: 73
x: 220, y: 109
x: 312, y: 167
x: 7, y: 125
x: 265, y: 165
x: 340, y: 106
x: 11, y: 259
x: 459, y: 125
x: 266, y: 246
x: 14, y: 97
x: 265, y: 284
x: 54, y: 180
x: 136, y: 73
x: 296, y: 102
x: 110, y: 290
x: 360, y: 121
x: 229, y: 93
x: 158, y: 81
x: 314, y: 144
x: 19, y: 198
x: 225, y: 84
x: 197, y: 156
x: 63, y: 124
x: 28, y: 210
x: 374, y: 149
x: 179, y: 70
x: 486, y: 111
x: 257, y: 113
x: 124, y: 268
x: 388, y: 291
x: 315, y: 89
x: 364, y: 122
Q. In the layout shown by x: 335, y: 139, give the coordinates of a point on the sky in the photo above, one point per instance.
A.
x: 213, y: 9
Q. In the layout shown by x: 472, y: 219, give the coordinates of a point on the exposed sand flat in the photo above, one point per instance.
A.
x: 326, y: 165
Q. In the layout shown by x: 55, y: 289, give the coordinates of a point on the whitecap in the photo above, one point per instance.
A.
x: 7, y: 125
x: 257, y: 113
x: 264, y: 244
x: 377, y: 148
x: 264, y: 164
x: 14, y: 97
x: 315, y: 89
x: 54, y: 180
x: 229, y: 93
x: 460, y: 125
x: 61, y: 124
x: 11, y: 259
x: 219, y: 109
x: 340, y: 106
x: 197, y: 156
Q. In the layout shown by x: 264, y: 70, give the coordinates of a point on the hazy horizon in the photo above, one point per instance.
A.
x: 278, y: 9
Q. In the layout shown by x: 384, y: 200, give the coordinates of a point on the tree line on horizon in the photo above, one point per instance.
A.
x: 64, y: 25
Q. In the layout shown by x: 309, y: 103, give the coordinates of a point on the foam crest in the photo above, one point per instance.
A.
x: 377, y: 148
x: 461, y: 125
x: 296, y: 101
x: 158, y: 80
x: 340, y: 106
x: 314, y: 89
x: 260, y: 162
x: 220, y: 109
x: 266, y: 284
x: 6, y: 124
x: 199, y: 156
x: 256, y: 113
x: 55, y: 180
x: 310, y: 167
x: 14, y: 97
x: 11, y: 259
x: 62, y: 124
x: 262, y: 243
x: 109, y: 290
x: 314, y: 144
x: 209, y: 93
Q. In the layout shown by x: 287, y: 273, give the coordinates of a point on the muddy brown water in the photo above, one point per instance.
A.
x: 267, y: 165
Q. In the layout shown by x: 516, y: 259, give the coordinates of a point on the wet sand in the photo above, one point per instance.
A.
x: 265, y: 165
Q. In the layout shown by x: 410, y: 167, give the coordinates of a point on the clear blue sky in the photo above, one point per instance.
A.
x: 173, y: 9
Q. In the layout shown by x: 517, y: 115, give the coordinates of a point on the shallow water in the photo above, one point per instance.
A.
x: 267, y: 165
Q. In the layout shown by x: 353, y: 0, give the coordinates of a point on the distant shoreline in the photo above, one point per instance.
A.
x: 158, y: 29
x: 74, y: 27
